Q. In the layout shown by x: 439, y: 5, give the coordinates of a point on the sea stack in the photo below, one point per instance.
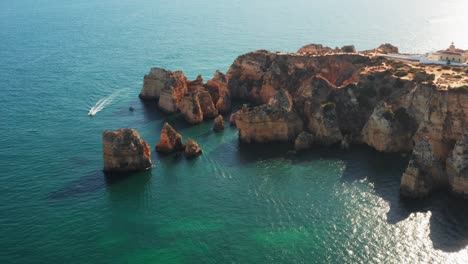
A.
x: 218, y: 124
x: 192, y: 149
x: 170, y: 140
x: 125, y: 151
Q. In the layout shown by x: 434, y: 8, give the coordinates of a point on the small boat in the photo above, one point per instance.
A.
x: 131, y: 109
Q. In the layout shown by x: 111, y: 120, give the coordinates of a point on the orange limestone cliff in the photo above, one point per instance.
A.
x: 125, y: 151
x: 325, y: 96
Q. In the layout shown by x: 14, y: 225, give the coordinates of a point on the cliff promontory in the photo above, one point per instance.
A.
x: 325, y: 96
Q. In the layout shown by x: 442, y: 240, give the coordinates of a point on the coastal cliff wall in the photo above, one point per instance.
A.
x: 323, y: 96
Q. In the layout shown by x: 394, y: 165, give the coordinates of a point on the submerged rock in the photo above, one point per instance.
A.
x: 192, y: 149
x: 170, y: 140
x: 125, y: 151
x: 218, y: 124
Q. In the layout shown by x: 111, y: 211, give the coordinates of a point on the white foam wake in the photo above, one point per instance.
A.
x: 102, y: 103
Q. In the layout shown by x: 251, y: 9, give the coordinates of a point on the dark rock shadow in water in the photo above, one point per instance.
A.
x: 88, y: 184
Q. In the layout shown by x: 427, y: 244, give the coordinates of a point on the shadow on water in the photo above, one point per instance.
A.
x: 88, y: 184
x: 448, y: 225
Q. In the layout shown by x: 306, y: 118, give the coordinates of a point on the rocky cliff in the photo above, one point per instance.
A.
x: 348, y: 97
x: 125, y: 151
x: 275, y: 121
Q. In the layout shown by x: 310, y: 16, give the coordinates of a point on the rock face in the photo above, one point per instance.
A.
x: 218, y: 124
x: 323, y: 124
x: 336, y: 95
x: 170, y: 140
x: 195, y: 85
x: 275, y: 121
x: 457, y: 167
x: 304, y: 141
x: 153, y: 83
x: 233, y: 117
x: 171, y: 93
x: 207, y: 106
x: 191, y: 149
x: 190, y: 108
x: 315, y: 49
x: 124, y: 151
x: 218, y: 89
x: 389, y: 131
x: 257, y: 76
x: 424, y: 173
x: 387, y: 48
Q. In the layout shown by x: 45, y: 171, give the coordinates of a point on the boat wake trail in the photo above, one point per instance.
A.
x: 102, y: 103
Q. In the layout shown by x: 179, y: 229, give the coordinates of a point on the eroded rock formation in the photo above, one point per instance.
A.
x: 190, y: 108
x: 218, y: 124
x: 125, y: 151
x: 275, y: 121
x: 169, y: 140
x: 171, y: 93
x: 192, y: 149
x: 333, y: 96
x: 457, y: 167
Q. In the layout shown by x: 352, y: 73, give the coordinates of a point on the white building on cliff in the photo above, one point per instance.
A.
x: 451, y: 54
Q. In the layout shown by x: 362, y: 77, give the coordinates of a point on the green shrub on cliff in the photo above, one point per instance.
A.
x: 401, y: 73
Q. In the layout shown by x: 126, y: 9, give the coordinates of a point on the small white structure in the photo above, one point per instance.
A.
x: 451, y: 54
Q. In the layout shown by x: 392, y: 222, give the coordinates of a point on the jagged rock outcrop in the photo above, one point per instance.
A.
x: 233, y: 117
x: 218, y: 124
x: 153, y: 83
x: 425, y: 172
x: 171, y: 93
x: 218, y: 89
x: 125, y: 151
x: 338, y: 95
x: 257, y: 76
x: 303, y: 141
x: 315, y: 49
x: 191, y: 149
x: 207, y: 106
x: 170, y: 140
x: 323, y: 124
x: 348, y: 49
x: 387, y: 48
x: 388, y: 130
x: 195, y: 85
x: 190, y: 108
x: 276, y: 121
x: 457, y: 167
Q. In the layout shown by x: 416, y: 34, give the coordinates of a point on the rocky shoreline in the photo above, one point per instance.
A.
x: 325, y: 96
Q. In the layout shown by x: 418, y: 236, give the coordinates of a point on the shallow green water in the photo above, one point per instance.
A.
x: 235, y: 203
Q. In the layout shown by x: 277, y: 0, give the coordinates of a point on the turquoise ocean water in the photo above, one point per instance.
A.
x: 235, y: 203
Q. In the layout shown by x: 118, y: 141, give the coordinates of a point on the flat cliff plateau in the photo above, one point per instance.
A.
x: 325, y: 96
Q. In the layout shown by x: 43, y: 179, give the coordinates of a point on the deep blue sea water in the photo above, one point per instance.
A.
x: 235, y: 203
